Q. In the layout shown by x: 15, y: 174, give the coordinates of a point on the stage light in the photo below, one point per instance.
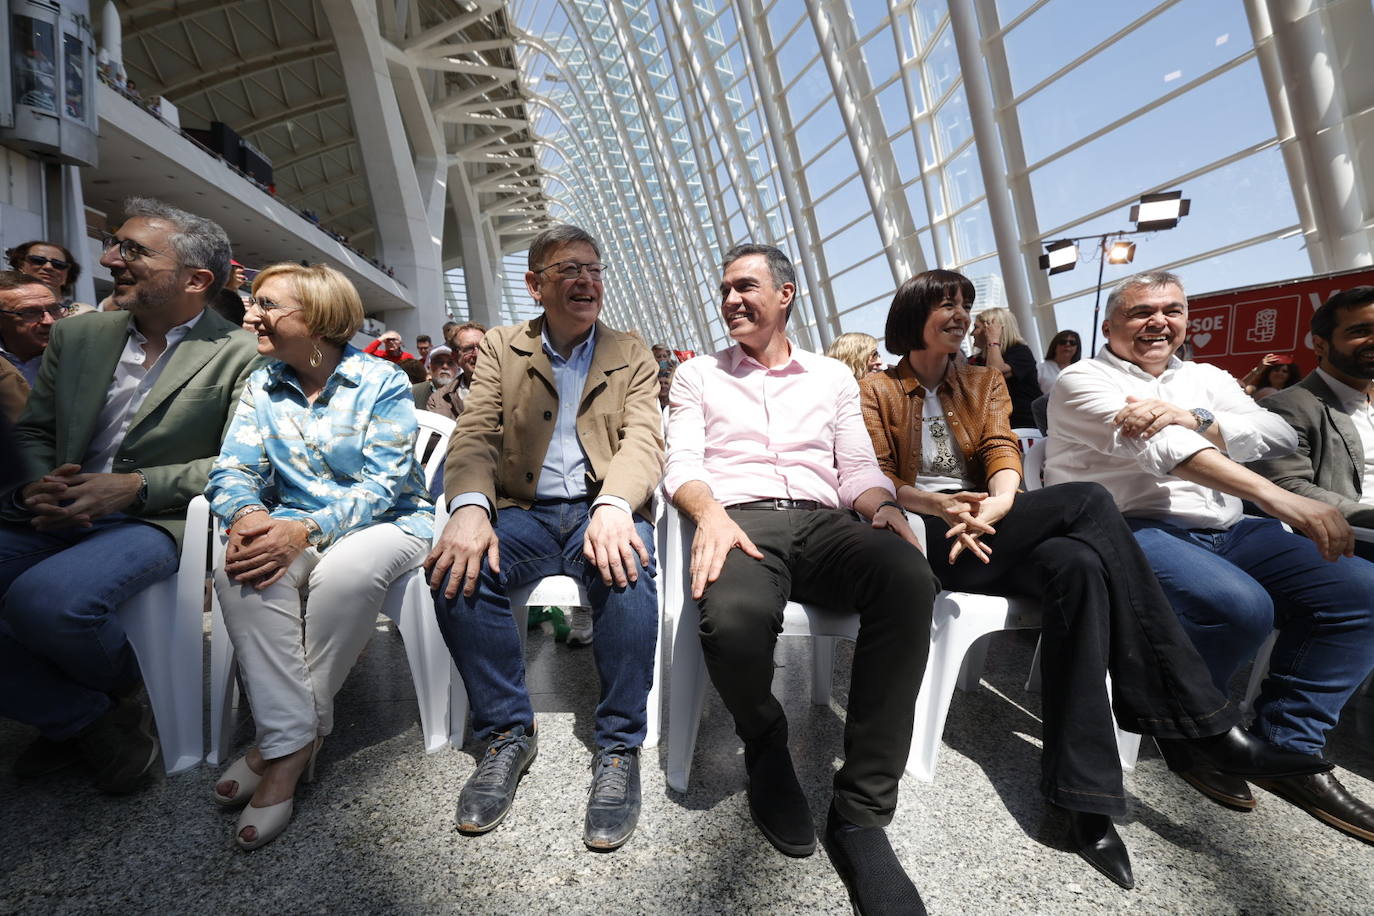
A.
x: 1120, y: 252
x: 1159, y: 211
x: 1059, y: 256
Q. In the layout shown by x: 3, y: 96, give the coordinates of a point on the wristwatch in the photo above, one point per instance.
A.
x: 1204, y: 418
x: 888, y: 502
x: 312, y: 530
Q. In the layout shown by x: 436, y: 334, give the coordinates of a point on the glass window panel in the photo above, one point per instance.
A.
x: 857, y: 243
x: 930, y: 15
x: 818, y: 130
x: 881, y: 57
x: 952, y: 123
x: 797, y: 55
x: 867, y: 14
x: 861, y: 283
x: 1070, y: 27
x: 973, y: 232
x: 1179, y: 45
x: 892, y: 104
x: 963, y: 179
x: 871, y: 319
x: 1227, y: 114
x: 842, y: 207
x: 833, y: 165
x: 944, y: 244
x: 942, y: 66
x: 926, y: 134
x: 916, y: 201
x: 906, y: 35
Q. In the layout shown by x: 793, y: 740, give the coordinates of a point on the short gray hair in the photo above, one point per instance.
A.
x: 196, y: 241
x: 779, y: 264
x: 556, y: 237
x: 1149, y: 279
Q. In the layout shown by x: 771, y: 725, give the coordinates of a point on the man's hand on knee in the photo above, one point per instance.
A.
x: 465, y: 540
x: 1321, y: 522
x: 717, y: 534
x: 614, y: 546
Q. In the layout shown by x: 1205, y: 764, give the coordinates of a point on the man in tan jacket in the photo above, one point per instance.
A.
x: 551, y: 472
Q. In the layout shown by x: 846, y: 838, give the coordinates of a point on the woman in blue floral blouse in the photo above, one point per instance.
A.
x: 320, y: 494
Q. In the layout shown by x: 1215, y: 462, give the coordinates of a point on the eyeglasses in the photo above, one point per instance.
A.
x: 470, y: 348
x: 571, y: 270
x: 129, y: 250
x: 36, y: 314
x: 37, y: 260
x: 268, y: 307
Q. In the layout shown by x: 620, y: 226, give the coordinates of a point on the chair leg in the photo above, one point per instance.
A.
x: 1258, y: 672
x: 223, y: 682
x: 686, y: 693
x: 971, y: 671
x: 949, y: 643
x: 427, y: 655
x: 822, y: 668
x: 655, y: 699
x: 1033, y: 676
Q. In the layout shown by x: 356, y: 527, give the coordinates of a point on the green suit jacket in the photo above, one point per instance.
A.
x: 173, y: 436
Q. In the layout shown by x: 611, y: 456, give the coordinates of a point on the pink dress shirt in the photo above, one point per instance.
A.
x: 749, y: 432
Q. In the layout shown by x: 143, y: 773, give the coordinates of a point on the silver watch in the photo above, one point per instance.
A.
x: 1204, y: 418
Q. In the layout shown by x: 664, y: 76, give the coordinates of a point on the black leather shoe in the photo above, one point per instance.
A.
x: 865, y: 862
x: 1229, y: 791
x: 1239, y: 753
x: 776, y: 801
x: 45, y: 756
x: 490, y: 790
x: 613, y: 802
x: 1094, y: 838
x: 1323, y: 797
x: 119, y: 747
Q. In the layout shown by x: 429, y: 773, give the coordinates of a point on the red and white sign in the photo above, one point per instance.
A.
x: 1235, y: 328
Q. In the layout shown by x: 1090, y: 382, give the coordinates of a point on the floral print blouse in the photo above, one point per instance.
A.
x: 347, y: 461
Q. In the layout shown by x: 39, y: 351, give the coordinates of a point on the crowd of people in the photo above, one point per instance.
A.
x: 801, y: 477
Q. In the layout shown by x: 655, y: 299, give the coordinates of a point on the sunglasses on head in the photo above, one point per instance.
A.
x: 37, y: 260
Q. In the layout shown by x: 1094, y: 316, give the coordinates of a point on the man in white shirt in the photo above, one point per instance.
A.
x: 768, y: 454
x: 1331, y: 413
x: 1168, y: 439
x: 127, y: 413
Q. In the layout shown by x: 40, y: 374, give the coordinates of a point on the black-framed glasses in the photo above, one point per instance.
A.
x: 36, y: 313
x: 470, y: 348
x: 129, y: 250
x: 37, y: 260
x: 571, y: 270
x: 269, y: 306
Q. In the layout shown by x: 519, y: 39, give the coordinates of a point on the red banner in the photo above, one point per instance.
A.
x: 1235, y: 328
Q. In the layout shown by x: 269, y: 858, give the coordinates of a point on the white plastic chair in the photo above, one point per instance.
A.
x: 1027, y: 436
x: 408, y: 602
x: 163, y: 624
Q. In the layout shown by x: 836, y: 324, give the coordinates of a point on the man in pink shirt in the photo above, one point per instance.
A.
x: 768, y: 454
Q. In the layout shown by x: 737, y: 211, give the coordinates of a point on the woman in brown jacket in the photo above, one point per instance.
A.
x: 941, y: 433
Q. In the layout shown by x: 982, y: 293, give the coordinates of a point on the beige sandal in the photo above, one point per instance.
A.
x: 270, y: 821
x: 242, y: 774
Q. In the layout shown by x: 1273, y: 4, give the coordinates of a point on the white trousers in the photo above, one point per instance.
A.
x: 297, y: 639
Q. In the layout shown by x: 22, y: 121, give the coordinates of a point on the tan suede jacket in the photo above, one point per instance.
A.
x: 978, y: 410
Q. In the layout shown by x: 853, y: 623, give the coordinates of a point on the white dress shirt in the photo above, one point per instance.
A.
x: 128, y: 388
x: 1084, y: 445
x: 1355, y: 404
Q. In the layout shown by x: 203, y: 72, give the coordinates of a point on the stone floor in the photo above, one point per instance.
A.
x: 375, y: 832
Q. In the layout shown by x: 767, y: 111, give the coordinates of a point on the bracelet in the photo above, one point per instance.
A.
x: 994, y: 343
x: 889, y: 502
x: 141, y: 497
x: 246, y: 510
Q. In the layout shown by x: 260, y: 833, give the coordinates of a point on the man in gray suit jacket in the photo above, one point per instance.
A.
x: 118, y: 435
x: 1333, y: 415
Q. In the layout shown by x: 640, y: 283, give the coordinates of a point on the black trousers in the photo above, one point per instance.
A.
x: 1068, y: 547
x: 831, y: 558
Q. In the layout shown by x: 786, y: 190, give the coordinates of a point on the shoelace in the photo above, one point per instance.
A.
x: 612, y: 779
x: 496, y: 765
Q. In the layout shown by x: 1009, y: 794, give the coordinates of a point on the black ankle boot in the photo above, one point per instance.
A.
x: 1094, y: 838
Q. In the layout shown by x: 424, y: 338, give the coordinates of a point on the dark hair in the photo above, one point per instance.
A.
x: 911, y: 305
x: 229, y: 305
x: 414, y: 370
x: 779, y: 264
x: 1065, y: 337
x: 14, y: 279
x: 1325, y: 317
x: 1294, y: 375
x: 198, y: 243
x: 19, y: 252
x: 557, y: 237
x: 424, y: 337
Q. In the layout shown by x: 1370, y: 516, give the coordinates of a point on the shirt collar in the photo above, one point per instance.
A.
x: 175, y: 334
x: 349, y: 372
x: 735, y: 357
x: 1107, y: 356
x: 1352, y: 399
x: 579, y: 352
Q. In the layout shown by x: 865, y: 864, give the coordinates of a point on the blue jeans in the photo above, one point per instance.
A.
x: 483, y: 638
x: 1231, y: 588
x: 62, y: 646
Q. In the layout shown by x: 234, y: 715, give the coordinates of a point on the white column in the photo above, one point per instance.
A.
x: 479, y: 266
x: 1314, y: 57
x: 404, y: 238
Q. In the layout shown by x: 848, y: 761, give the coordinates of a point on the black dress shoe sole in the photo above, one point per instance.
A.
x: 1226, y: 800
x: 795, y: 850
x: 479, y: 829
x: 1320, y: 814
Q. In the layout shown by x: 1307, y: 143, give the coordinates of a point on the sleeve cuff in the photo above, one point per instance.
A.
x: 1169, y: 448
x: 470, y: 498
x: 616, y: 501
x: 1244, y: 443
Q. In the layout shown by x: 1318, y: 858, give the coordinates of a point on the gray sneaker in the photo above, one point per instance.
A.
x: 580, y: 623
x: 490, y: 790
x: 119, y: 747
x: 613, y: 801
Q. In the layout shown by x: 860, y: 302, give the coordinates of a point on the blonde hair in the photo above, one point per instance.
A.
x: 854, y: 349
x: 330, y: 303
x: 1011, y: 331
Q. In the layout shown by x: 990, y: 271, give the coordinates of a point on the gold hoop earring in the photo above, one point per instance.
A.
x: 315, y: 356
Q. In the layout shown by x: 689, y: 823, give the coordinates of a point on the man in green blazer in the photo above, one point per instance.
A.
x: 118, y: 435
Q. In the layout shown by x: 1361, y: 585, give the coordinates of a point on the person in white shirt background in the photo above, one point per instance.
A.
x: 1169, y: 439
